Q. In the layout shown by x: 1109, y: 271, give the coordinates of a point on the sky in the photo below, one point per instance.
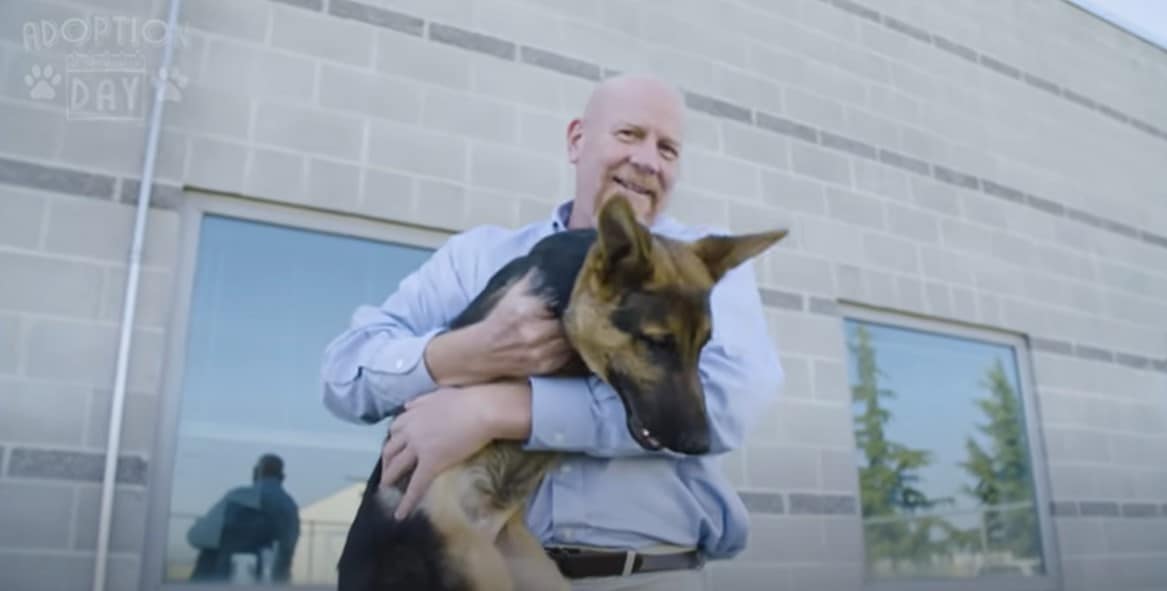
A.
x: 1144, y: 18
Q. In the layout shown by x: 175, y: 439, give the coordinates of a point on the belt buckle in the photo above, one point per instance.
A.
x: 629, y: 562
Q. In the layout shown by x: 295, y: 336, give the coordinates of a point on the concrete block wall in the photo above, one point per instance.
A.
x: 63, y: 258
x: 994, y: 164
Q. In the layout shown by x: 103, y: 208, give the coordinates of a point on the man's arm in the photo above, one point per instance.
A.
x: 739, y: 369
x: 519, y: 337
x: 395, y: 352
x: 378, y: 363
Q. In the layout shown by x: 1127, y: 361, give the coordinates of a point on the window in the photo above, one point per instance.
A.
x: 1146, y: 19
x: 945, y: 452
x: 264, y: 300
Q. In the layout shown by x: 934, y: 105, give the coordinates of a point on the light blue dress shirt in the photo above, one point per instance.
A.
x: 612, y: 493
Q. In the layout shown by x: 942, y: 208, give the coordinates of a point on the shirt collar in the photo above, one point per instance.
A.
x: 560, y: 216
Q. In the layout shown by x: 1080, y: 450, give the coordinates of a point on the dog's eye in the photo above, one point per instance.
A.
x: 659, y: 341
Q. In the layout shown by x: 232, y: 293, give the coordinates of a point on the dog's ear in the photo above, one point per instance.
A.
x: 722, y: 253
x: 625, y: 245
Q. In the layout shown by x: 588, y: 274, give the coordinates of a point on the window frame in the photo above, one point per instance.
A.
x: 1020, y: 345
x: 195, y: 207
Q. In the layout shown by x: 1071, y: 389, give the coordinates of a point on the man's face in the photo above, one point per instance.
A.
x: 628, y: 142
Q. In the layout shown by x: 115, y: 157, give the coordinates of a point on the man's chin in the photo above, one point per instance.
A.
x: 642, y: 205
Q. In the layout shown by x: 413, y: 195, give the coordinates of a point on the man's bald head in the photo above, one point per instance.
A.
x: 628, y: 140
x: 620, y: 87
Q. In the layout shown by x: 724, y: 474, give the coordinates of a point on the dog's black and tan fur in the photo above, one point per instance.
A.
x: 635, y: 307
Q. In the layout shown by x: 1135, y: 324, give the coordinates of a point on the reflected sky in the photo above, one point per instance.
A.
x: 937, y: 380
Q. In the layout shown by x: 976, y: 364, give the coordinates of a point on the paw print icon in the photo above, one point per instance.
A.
x: 41, y: 83
x: 175, y: 82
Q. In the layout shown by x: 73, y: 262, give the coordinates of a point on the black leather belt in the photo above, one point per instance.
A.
x: 576, y: 563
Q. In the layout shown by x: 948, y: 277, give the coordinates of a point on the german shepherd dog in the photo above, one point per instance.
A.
x: 635, y: 308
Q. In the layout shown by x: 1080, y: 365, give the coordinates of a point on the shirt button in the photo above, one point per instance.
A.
x: 569, y: 534
x: 400, y: 363
x: 565, y: 469
x: 558, y: 438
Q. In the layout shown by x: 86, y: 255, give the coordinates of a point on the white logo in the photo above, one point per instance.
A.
x: 175, y: 83
x: 101, y: 33
x: 110, y: 86
x: 110, y: 69
x: 41, y: 83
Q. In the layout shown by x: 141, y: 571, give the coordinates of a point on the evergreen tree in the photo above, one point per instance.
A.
x: 888, y: 475
x: 1001, y: 473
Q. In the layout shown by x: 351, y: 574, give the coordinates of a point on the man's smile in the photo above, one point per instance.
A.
x: 635, y: 187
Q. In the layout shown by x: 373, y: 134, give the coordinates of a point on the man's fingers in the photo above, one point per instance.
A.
x: 549, y: 358
x: 533, y: 309
x: 561, y: 344
x: 525, y: 283
x: 390, y: 451
x: 391, y: 448
x: 521, y: 292
x: 400, y: 422
x: 557, y: 347
x: 395, y: 461
x: 537, y: 333
x: 547, y: 330
x: 418, y: 483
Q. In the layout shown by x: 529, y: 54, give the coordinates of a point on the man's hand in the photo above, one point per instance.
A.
x: 447, y: 426
x: 519, y: 338
x: 525, y: 337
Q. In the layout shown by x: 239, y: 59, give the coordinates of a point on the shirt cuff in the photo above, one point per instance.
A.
x: 562, y: 415
x: 403, y: 365
x: 409, y: 358
x: 394, y: 374
x: 582, y: 415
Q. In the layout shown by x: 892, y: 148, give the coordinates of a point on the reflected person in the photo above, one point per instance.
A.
x: 248, y: 520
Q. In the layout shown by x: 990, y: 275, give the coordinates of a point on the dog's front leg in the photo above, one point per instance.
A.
x: 530, y: 566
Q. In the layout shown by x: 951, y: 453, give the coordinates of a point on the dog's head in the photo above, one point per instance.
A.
x: 639, y: 318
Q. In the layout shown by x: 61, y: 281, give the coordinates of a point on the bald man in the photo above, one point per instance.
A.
x: 466, y: 387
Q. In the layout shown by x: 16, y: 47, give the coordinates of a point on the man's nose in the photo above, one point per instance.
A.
x: 645, y: 158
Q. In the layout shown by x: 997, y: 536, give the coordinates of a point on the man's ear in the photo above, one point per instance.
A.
x: 722, y: 253
x: 625, y: 245
x: 574, y: 139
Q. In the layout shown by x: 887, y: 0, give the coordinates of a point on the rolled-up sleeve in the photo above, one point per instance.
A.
x: 571, y: 414
x: 739, y: 368
x: 378, y: 362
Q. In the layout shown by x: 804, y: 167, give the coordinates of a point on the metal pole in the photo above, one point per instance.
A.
x: 117, y: 408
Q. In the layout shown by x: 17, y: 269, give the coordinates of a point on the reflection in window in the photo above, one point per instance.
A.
x: 946, y: 481
x: 258, y: 458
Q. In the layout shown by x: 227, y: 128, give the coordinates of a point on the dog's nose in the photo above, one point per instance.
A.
x: 693, y: 442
